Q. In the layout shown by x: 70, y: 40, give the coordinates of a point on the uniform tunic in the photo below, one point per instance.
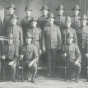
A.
x: 51, y: 41
x: 60, y: 21
x: 30, y: 53
x: 73, y: 55
x: 36, y: 34
x: 69, y: 30
x: 76, y: 22
x: 11, y: 56
x: 82, y: 35
x: 25, y: 23
x: 17, y: 34
x: 52, y: 37
x: 42, y: 22
x: 6, y: 22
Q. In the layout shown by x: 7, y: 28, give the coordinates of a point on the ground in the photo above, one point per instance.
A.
x: 42, y: 82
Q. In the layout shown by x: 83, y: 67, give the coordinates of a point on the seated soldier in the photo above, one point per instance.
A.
x: 10, y: 58
x: 30, y: 56
x: 73, y: 57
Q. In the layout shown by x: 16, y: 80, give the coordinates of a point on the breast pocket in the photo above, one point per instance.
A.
x: 29, y: 53
x: 36, y: 36
x: 72, y: 53
x: 16, y: 34
x: 54, y: 35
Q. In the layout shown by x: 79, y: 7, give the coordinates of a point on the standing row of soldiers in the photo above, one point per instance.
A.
x: 47, y: 33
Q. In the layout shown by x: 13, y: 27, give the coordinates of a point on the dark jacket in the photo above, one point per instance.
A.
x: 52, y: 37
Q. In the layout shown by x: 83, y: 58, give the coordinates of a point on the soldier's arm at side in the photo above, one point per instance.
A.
x: 78, y: 54
x: 21, y: 23
x: 38, y: 23
x: 40, y: 39
x: 21, y: 36
x: 43, y: 39
x: 75, y: 38
x: 59, y: 37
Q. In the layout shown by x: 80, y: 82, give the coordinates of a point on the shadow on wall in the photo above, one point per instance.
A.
x: 35, y: 5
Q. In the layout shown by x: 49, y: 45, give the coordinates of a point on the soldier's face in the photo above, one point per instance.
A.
x: 68, y: 24
x: 13, y: 21
x: 83, y: 22
x: 10, y: 41
x: 69, y: 40
x: 76, y: 12
x: 28, y: 40
x: 45, y: 12
x: 60, y: 12
x: 28, y: 12
x: 50, y: 20
x: 34, y: 23
x: 11, y: 10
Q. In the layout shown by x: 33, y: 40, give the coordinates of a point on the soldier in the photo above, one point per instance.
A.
x: 16, y: 31
x: 25, y: 21
x: 30, y: 55
x: 51, y: 43
x: 42, y: 19
x: 36, y: 34
x: 41, y: 23
x: 60, y: 19
x: 10, y: 58
x: 6, y: 21
x: 82, y: 34
x: 68, y: 29
x: 73, y: 56
x: 76, y: 17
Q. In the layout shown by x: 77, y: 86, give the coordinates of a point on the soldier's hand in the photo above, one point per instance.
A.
x: 86, y: 55
x: 76, y: 62
x: 30, y: 64
x: 11, y: 63
x: 21, y: 56
x: 3, y: 57
x: 65, y: 54
x: 40, y: 52
x: 43, y: 49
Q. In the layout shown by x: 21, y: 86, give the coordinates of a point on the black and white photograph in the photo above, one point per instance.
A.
x: 43, y: 43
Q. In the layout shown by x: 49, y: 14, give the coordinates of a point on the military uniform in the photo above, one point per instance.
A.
x: 60, y: 19
x: 11, y: 56
x: 72, y: 55
x: 51, y: 41
x: 36, y: 34
x: 42, y: 20
x: 6, y: 22
x: 75, y: 19
x: 30, y: 53
x: 17, y: 34
x: 25, y: 22
x: 82, y: 35
x: 69, y: 30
